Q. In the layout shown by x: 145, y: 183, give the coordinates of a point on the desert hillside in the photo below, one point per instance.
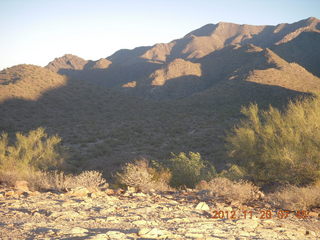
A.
x: 146, y: 120
x: 152, y: 101
x: 28, y: 82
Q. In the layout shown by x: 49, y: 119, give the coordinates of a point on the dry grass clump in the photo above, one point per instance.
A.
x: 240, y: 191
x: 296, y: 198
x: 9, y: 177
x: 142, y: 176
x: 60, y: 181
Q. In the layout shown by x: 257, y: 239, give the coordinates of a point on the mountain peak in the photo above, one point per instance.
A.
x: 205, y: 30
x: 313, y: 19
x: 67, y: 61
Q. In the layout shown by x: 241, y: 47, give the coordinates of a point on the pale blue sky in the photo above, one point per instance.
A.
x: 37, y: 31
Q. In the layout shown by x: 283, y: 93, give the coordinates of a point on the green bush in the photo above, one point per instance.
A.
x: 233, y: 173
x: 282, y: 147
x: 29, y: 153
x: 189, y: 169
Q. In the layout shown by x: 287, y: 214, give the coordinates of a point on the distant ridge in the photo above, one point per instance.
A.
x: 211, y: 37
x: 204, y: 56
x: 73, y: 62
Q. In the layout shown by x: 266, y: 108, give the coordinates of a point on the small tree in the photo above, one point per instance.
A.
x: 283, y: 147
x: 32, y: 152
x: 189, y: 169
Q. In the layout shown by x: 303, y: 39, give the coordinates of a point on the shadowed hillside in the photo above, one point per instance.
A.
x: 303, y: 50
x: 103, y: 128
x: 252, y: 63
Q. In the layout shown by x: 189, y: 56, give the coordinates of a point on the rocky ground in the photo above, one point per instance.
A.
x: 81, y: 214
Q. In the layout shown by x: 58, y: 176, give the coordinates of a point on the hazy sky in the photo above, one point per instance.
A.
x: 37, y: 31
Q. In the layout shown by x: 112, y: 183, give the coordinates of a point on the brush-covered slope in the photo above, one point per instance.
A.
x: 100, y: 127
x: 288, y: 75
x: 28, y: 82
x: 181, y: 78
x: 177, y: 79
x: 252, y: 63
x: 304, y: 50
x: 104, y: 128
x: 175, y: 69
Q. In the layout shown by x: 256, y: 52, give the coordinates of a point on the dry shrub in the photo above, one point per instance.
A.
x: 9, y: 177
x: 60, y: 181
x: 240, y: 191
x: 88, y: 179
x: 143, y: 177
x: 296, y: 198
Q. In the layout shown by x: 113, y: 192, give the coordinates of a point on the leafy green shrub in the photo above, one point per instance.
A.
x: 29, y: 153
x: 283, y: 147
x: 142, y: 176
x: 234, y: 173
x: 189, y: 169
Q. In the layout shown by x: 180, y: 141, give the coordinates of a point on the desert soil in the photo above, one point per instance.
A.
x: 130, y: 215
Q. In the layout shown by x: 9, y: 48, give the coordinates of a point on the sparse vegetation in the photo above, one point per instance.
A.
x: 55, y: 180
x: 282, y: 147
x: 240, y: 191
x: 293, y: 197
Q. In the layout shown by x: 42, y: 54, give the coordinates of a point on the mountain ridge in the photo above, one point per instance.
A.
x: 230, y: 32
x: 146, y: 62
